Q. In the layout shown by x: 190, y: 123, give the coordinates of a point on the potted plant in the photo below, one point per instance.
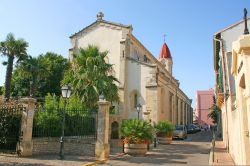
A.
x: 137, y: 135
x: 164, y: 132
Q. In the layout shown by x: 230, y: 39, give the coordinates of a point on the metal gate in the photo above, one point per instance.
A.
x: 10, y: 126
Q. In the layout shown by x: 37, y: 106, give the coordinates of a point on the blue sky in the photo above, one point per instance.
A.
x: 188, y: 24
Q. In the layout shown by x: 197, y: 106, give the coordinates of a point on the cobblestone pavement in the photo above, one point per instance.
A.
x: 192, y: 151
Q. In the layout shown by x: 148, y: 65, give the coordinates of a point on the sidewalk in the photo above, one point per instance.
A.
x: 44, y: 160
x: 221, y: 156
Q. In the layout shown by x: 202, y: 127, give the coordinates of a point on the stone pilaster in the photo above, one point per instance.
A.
x: 102, y: 147
x: 152, y: 96
x: 26, y: 145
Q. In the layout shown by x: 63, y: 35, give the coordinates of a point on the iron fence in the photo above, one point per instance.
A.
x: 78, y: 123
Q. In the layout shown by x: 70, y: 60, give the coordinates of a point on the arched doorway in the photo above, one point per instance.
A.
x: 115, y: 130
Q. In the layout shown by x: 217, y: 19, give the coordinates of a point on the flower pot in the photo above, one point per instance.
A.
x: 135, y: 149
x: 164, y: 140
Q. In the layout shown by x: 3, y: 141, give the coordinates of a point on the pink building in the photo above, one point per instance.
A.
x: 204, y: 101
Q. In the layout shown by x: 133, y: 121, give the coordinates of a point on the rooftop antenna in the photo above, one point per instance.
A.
x: 245, y: 18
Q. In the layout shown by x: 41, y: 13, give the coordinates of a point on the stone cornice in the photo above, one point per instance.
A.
x: 140, y: 62
x: 151, y: 86
x: 239, y: 46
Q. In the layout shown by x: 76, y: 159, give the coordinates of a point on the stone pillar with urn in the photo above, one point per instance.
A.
x: 26, y: 145
x: 102, y: 147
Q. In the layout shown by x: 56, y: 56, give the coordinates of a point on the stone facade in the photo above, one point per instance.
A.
x: 143, y: 79
x: 231, y: 64
x: 72, y: 146
x: 241, y: 72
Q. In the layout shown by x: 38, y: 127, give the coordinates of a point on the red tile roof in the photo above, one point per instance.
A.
x: 165, y: 53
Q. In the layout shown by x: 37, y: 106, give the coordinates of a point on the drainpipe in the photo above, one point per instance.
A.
x: 225, y: 91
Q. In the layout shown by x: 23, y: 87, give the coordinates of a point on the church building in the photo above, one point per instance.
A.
x: 147, y: 88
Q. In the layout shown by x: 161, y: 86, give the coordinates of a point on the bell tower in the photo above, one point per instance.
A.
x: 165, y: 57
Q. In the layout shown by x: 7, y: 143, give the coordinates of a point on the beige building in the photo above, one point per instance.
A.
x: 232, y: 68
x: 143, y: 79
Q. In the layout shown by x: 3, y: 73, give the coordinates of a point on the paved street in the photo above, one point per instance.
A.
x: 193, y: 151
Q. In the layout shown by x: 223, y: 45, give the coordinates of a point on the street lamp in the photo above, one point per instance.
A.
x: 138, y: 108
x: 66, y: 91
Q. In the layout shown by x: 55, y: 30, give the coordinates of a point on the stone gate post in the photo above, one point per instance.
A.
x: 102, y: 148
x: 27, y: 126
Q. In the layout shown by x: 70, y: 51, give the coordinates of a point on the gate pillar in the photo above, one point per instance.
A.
x: 26, y: 145
x: 102, y: 148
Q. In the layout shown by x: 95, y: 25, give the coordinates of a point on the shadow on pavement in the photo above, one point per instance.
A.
x: 178, y: 152
x: 22, y: 164
x: 173, y: 154
x: 44, y: 160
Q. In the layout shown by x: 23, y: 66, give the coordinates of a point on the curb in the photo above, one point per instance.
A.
x: 210, y: 162
x: 103, y: 161
x: 95, y: 162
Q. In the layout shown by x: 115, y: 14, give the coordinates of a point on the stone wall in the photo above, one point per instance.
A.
x: 72, y: 146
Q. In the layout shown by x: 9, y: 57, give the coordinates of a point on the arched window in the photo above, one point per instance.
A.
x: 136, y: 55
x: 145, y: 59
x: 134, y: 99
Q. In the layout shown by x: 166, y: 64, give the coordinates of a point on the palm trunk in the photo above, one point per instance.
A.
x: 32, y: 89
x: 8, y: 77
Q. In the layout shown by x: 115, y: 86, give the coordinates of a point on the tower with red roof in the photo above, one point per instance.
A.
x: 165, y: 58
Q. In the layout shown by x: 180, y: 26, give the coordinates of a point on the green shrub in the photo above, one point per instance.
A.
x: 10, y: 121
x: 136, y: 131
x: 164, y: 129
x: 55, y: 102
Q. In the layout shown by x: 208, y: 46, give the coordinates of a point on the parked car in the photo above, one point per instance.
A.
x: 197, y: 128
x: 191, y: 129
x: 180, y: 132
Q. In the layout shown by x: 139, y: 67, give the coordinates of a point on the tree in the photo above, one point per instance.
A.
x: 12, y: 48
x: 27, y: 76
x: 91, y: 76
x: 55, y: 65
x: 214, y: 113
x: 1, y: 90
x: 39, y: 76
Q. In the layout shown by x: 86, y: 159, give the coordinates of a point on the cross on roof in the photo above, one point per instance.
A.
x: 99, y: 16
x: 245, y: 18
x: 164, y: 36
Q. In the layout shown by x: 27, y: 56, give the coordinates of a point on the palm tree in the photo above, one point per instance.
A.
x: 12, y: 48
x: 91, y: 76
x: 34, y: 70
x: 214, y: 113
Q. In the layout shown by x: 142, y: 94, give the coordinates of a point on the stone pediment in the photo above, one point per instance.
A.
x: 108, y: 24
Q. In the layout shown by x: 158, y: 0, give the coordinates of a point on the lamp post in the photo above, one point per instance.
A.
x: 66, y: 91
x: 138, y: 108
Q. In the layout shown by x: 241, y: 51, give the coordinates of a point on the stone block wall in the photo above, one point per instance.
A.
x: 72, y: 146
